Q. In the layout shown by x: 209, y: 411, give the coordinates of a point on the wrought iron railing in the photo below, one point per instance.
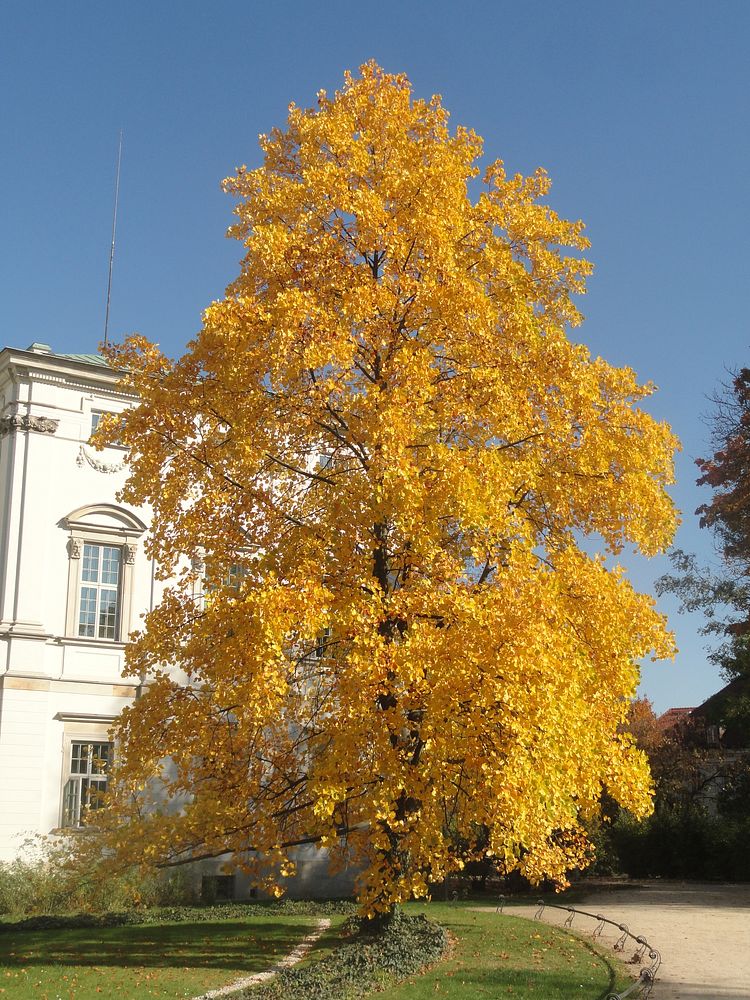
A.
x: 645, y: 981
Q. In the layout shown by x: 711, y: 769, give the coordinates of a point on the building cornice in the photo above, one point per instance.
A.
x: 109, y: 388
x: 74, y: 372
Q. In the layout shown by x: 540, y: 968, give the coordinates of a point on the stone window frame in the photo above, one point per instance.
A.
x: 125, y: 536
x: 95, y: 775
x: 80, y: 727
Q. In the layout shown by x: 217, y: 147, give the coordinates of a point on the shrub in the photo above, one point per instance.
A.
x: 605, y: 856
x: 31, y: 888
x: 43, y: 887
x: 367, y: 962
x: 179, y: 914
x: 683, y: 843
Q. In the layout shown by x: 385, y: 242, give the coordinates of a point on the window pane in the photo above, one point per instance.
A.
x: 110, y: 565
x: 90, y: 568
x: 107, y: 613
x: 79, y: 758
x: 92, y: 793
x: 87, y: 613
x: 72, y: 803
x: 100, y: 758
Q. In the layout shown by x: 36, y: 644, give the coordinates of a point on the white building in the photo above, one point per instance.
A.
x: 74, y: 581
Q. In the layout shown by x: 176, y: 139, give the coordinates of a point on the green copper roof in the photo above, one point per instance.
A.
x: 89, y: 359
x: 86, y: 359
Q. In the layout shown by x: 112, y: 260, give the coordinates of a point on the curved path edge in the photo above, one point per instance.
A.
x: 701, y: 929
x: 294, y: 956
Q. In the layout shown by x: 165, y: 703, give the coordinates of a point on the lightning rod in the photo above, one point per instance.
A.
x: 112, y: 246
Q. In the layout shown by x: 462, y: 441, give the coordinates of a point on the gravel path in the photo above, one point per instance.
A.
x: 294, y: 956
x: 701, y: 930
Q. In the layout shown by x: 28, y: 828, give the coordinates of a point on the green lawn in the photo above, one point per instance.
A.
x: 171, y: 960
x: 492, y: 956
x: 503, y: 956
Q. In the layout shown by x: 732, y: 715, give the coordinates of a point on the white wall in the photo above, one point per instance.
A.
x: 53, y: 686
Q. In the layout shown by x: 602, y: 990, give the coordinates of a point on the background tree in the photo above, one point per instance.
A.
x: 700, y: 824
x: 727, y: 472
x: 386, y: 453
x: 724, y: 596
x: 684, y: 770
x: 643, y: 725
x: 695, y: 780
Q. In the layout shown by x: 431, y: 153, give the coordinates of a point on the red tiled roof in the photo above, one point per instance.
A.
x: 672, y: 717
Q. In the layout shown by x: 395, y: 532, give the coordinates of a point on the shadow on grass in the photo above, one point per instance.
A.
x: 222, y: 945
x: 611, y: 971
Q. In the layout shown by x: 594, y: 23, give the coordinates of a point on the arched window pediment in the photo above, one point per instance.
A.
x: 104, y: 516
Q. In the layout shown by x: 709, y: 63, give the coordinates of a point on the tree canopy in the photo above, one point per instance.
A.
x: 374, y: 476
x: 727, y: 472
x: 723, y: 595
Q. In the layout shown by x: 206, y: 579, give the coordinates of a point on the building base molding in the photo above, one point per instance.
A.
x: 26, y: 629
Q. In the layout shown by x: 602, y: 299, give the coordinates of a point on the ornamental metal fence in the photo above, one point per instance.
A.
x: 644, y: 984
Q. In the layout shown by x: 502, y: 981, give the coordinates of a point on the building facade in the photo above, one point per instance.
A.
x: 74, y: 581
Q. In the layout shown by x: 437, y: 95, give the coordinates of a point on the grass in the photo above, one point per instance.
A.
x: 170, y: 960
x: 492, y: 956
x: 503, y: 956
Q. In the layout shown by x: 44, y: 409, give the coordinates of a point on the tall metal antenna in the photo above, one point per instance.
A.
x: 114, y: 231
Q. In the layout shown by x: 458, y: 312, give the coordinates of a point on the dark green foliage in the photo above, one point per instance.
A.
x: 734, y: 797
x: 682, y: 844
x: 605, y: 861
x: 366, y: 962
x: 181, y: 914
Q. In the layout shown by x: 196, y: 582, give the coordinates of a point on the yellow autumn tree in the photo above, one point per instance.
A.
x: 375, y: 476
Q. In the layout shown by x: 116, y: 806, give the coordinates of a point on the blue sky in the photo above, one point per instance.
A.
x: 638, y: 111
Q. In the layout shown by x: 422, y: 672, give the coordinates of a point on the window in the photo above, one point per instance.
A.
x: 311, y: 653
x: 88, y: 767
x: 96, y: 416
x: 218, y: 888
x: 322, y: 643
x: 231, y: 577
x: 99, y: 604
x: 102, y: 553
x: 96, y: 419
x: 234, y: 576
